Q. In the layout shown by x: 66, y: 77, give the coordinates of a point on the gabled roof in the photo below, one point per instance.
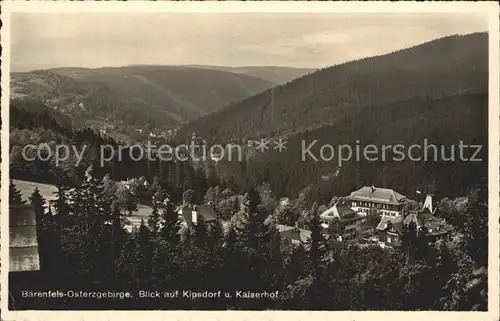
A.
x: 382, y: 225
x: 293, y: 233
x: 206, y: 212
x: 397, y: 222
x: 434, y: 225
x: 377, y: 194
x: 344, y: 213
x: 23, y: 241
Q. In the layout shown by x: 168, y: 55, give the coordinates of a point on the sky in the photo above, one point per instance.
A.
x: 310, y: 40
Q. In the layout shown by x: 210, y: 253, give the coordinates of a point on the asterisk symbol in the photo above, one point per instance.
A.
x: 280, y: 145
x: 262, y: 144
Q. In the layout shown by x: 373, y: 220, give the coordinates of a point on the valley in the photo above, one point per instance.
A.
x: 295, y: 225
x: 154, y: 99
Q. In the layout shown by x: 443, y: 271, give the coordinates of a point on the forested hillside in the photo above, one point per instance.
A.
x: 436, y: 91
x: 442, y: 122
x: 151, y: 98
x: 33, y: 124
x: 275, y: 74
x: 448, y: 66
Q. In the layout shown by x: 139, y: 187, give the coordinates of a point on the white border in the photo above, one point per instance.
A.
x: 489, y: 9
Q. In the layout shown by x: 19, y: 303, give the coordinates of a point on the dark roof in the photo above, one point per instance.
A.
x: 343, y: 212
x: 23, y: 243
x: 377, y: 194
x: 293, y: 233
x: 207, y: 212
x: 397, y: 222
x: 434, y: 225
x: 204, y: 211
x: 425, y: 218
x: 382, y: 225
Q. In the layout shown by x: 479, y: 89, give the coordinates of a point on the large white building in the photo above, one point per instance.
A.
x: 370, y: 200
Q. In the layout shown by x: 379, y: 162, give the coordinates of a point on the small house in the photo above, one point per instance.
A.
x: 294, y: 234
x: 24, y: 258
x: 390, y: 230
x: 192, y: 216
x: 23, y: 242
x: 350, y: 220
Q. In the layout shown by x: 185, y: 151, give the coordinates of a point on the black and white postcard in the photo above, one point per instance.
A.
x: 249, y: 160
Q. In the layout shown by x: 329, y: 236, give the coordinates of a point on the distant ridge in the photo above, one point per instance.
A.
x: 442, y: 67
x: 278, y: 75
x: 147, y: 97
x: 436, y: 91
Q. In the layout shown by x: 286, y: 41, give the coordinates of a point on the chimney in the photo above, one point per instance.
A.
x: 194, y: 217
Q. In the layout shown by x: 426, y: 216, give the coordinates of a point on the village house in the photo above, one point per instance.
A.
x: 284, y: 201
x: 193, y: 215
x: 351, y: 221
x: 25, y: 270
x: 390, y: 230
x: 293, y: 233
x: 368, y: 200
x: 23, y: 241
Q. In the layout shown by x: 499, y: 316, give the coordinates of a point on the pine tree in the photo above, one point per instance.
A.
x: 155, y: 187
x: 286, y: 215
x: 15, y: 197
x: 409, y: 241
x: 188, y: 197
x: 257, y: 228
x: 61, y: 207
x: 126, y: 265
x: 249, y: 223
x: 276, y: 259
x: 199, y: 232
x: 170, y: 223
x: 422, y: 243
x: 154, y: 220
x: 476, y: 226
x: 317, y: 251
x: 38, y: 203
x: 209, y: 196
x: 335, y: 229
x: 144, y: 256
x: 475, y: 245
